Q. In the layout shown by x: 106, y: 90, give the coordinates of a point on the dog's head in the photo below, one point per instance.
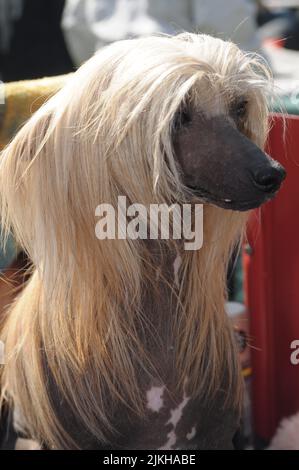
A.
x: 195, y: 109
x: 158, y: 119
x: 219, y: 131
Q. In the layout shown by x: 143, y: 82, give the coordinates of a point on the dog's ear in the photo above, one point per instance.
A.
x: 19, y: 154
x: 49, y: 185
x: 20, y: 188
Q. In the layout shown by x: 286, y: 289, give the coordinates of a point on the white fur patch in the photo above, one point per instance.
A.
x: 154, y: 398
x: 26, y: 444
x: 176, y: 266
x: 18, y: 421
x: 191, y: 434
x: 175, y: 416
x: 171, y: 441
x: 177, y: 412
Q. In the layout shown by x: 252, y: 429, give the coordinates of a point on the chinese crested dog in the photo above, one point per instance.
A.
x: 123, y: 343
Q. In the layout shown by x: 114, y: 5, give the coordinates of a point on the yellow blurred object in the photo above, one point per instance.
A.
x: 21, y: 99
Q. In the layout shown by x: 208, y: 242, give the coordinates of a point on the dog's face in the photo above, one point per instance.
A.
x: 219, y: 162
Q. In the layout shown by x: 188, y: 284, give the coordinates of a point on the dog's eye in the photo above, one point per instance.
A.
x: 182, y: 118
x: 241, y: 109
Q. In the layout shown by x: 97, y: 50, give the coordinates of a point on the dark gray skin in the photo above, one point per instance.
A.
x: 220, y: 164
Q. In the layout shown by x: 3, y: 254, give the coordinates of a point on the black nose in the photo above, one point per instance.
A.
x: 269, y: 179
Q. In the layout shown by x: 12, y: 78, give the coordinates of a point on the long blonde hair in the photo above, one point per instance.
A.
x: 109, y: 132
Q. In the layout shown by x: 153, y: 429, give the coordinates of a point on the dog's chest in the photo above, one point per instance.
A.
x: 174, y: 423
x: 173, y: 420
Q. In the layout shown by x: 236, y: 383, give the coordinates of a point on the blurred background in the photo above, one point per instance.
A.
x: 42, y: 38
x: 52, y: 38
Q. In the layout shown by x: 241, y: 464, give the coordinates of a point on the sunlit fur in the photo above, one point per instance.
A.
x: 108, y: 132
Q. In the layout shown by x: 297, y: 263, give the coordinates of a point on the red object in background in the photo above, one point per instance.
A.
x: 272, y: 289
x: 274, y: 42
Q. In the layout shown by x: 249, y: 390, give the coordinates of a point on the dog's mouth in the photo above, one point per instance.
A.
x: 231, y: 204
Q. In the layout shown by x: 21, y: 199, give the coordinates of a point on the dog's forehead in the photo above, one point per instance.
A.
x: 216, y: 106
x: 210, y: 104
x: 215, y: 100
